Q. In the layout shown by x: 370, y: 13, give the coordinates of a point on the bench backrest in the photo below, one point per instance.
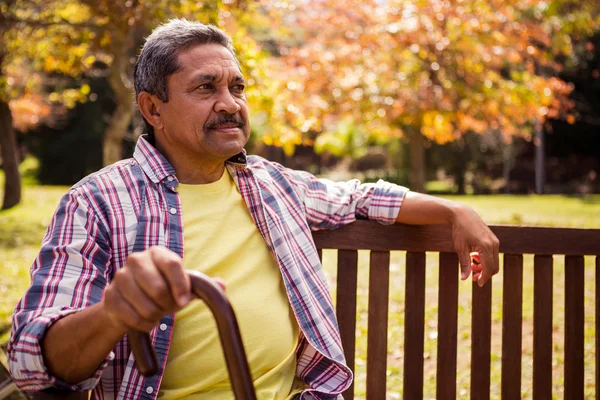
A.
x: 514, y: 242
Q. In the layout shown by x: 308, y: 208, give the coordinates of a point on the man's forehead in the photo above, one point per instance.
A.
x: 208, y: 55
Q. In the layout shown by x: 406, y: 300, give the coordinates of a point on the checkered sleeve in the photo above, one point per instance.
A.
x: 69, y: 274
x: 330, y: 205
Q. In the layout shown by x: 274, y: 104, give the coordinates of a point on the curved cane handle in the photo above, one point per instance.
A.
x: 235, y: 357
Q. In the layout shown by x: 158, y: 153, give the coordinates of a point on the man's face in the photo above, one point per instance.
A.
x: 207, y: 112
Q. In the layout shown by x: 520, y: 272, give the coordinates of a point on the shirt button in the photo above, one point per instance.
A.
x: 149, y: 389
x: 170, y: 178
x: 173, y: 210
x: 163, y: 327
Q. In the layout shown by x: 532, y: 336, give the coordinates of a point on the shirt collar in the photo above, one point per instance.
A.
x: 156, y: 166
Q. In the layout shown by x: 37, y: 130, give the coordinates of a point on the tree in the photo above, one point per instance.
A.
x: 423, y: 71
x: 69, y: 37
x: 8, y: 143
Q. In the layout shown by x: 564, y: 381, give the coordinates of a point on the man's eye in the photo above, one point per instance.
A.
x: 239, y: 88
x: 205, y: 86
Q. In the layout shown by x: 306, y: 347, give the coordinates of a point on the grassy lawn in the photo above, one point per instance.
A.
x: 22, y: 228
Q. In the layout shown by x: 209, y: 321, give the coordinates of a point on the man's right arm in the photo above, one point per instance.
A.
x: 70, y: 318
x: 69, y: 275
x: 152, y: 284
x: 92, y: 336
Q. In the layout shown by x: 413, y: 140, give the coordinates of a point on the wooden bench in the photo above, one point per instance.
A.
x: 515, y: 241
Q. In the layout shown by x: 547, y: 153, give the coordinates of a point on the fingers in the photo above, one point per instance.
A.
x: 470, y: 233
x: 152, y: 284
x: 490, y: 263
x: 476, y: 266
x: 124, y: 314
x: 221, y: 283
x: 171, y: 266
x: 465, y: 264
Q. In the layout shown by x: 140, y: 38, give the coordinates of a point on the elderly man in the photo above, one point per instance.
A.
x: 113, y: 257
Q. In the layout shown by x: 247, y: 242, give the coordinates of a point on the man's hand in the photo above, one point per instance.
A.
x: 471, y: 235
x: 152, y: 284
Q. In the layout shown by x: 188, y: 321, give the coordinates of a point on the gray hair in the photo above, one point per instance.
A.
x: 159, y: 56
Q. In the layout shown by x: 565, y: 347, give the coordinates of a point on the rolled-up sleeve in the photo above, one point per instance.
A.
x: 69, y: 274
x: 330, y: 205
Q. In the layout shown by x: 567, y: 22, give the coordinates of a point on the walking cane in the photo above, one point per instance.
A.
x: 235, y: 357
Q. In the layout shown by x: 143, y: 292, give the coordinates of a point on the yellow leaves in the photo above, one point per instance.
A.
x: 74, y: 12
x: 437, y: 126
x: 88, y: 61
x: 499, y: 37
x: 50, y: 63
x: 85, y: 89
x: 70, y: 97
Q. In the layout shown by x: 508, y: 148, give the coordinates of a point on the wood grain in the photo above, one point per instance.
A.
x: 379, y: 282
x: 414, y: 329
x: 574, y: 317
x: 512, y: 320
x: 346, y: 307
x: 447, y: 327
x: 542, y: 327
x: 481, y: 329
x: 513, y: 240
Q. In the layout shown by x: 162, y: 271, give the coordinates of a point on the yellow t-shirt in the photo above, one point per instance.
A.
x: 221, y: 240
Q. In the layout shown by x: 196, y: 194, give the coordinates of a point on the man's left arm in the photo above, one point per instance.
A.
x: 331, y: 205
x: 469, y: 232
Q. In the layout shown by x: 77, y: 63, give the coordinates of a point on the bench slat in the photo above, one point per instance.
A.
x: 447, y: 327
x: 542, y: 327
x: 414, y: 317
x: 512, y: 320
x: 379, y: 278
x: 346, y: 307
x: 574, y: 317
x: 513, y: 240
x: 481, y: 322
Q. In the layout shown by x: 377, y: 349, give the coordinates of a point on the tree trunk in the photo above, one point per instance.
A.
x: 540, y: 176
x: 112, y: 147
x: 417, y: 162
x: 10, y: 158
x: 460, y: 181
x: 507, y: 164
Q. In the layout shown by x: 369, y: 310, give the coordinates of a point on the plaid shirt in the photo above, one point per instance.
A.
x: 132, y: 205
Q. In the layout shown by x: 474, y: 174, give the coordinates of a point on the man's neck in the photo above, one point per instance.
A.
x: 191, y: 169
x: 199, y: 175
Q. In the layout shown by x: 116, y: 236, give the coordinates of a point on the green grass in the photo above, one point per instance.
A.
x: 22, y: 228
x: 21, y: 231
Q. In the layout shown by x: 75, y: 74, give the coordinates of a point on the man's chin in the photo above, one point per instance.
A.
x: 229, y: 141
x: 228, y: 150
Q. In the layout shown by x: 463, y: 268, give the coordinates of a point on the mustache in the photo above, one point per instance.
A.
x: 225, y: 119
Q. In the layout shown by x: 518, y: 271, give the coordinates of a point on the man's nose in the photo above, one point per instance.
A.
x: 226, y: 103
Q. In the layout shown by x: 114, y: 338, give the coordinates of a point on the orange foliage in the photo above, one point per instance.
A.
x: 442, y: 67
x: 28, y: 111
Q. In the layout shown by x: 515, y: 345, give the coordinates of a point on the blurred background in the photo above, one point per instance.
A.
x: 464, y: 97
x: 495, y: 103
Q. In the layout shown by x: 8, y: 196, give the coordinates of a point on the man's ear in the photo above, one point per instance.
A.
x: 149, y: 107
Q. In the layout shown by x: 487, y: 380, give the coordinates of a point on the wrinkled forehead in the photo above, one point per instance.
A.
x: 207, y: 56
x: 209, y: 62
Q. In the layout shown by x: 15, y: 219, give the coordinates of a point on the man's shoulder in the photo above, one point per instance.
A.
x: 112, y: 176
x: 264, y: 168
